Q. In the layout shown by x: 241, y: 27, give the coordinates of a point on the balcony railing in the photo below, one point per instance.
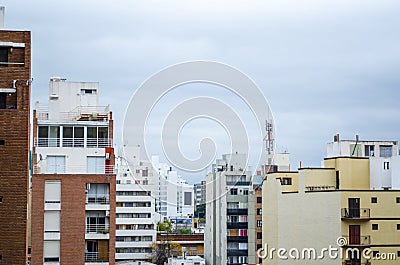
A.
x: 236, y: 211
x: 237, y: 238
x: 73, y: 169
x: 73, y: 142
x: 237, y: 252
x: 95, y: 257
x: 97, y: 228
x: 354, y: 262
x: 237, y: 225
x: 356, y: 213
x: 80, y: 113
x: 97, y: 199
x: 238, y: 183
x: 357, y: 241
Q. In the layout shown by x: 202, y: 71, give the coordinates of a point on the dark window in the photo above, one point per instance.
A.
x: 55, y: 259
x: 259, y: 223
x: 259, y: 199
x: 375, y: 254
x: 245, y: 192
x: 287, y: 181
x: 259, y: 211
x: 234, y: 192
x: 259, y: 235
x: 374, y: 200
x: 385, y: 150
x: 398, y: 254
x: 3, y: 56
x: 188, y: 198
x: 386, y: 165
x: 2, y: 142
x: 398, y: 226
x: 1, y: 257
x: 398, y: 200
x: 259, y: 246
x: 3, y: 100
x: 1, y: 199
x: 375, y: 226
x: 369, y: 150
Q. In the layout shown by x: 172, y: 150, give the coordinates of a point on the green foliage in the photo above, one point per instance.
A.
x: 165, y: 226
x: 185, y: 231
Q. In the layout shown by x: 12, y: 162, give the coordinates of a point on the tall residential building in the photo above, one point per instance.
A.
x: 228, y: 219
x: 314, y: 207
x: 73, y: 185
x: 136, y: 217
x: 15, y: 79
x: 174, y: 196
x: 200, y: 193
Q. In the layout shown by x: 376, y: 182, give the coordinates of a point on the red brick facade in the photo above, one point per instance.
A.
x: 14, y: 147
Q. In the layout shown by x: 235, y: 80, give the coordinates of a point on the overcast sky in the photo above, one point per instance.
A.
x: 325, y: 67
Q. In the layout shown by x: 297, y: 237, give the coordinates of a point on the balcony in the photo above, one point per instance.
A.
x: 357, y: 241
x: 355, y: 213
x: 355, y: 262
x: 238, y: 183
x: 80, y: 113
x: 97, y: 228
x: 237, y: 238
x: 237, y: 211
x: 237, y: 252
x: 96, y: 257
x: 73, y: 142
x: 237, y: 225
x: 73, y: 169
x: 97, y: 199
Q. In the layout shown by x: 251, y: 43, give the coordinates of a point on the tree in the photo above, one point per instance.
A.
x: 165, y: 249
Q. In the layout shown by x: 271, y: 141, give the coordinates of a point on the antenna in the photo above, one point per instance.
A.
x: 269, y: 140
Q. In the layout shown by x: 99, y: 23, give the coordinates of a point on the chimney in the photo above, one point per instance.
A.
x: 336, y: 138
x: 357, y: 137
x: 2, y: 9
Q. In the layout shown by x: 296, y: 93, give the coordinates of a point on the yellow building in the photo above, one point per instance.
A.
x: 310, y: 212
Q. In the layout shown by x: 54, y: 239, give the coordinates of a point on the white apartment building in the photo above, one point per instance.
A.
x: 136, y: 219
x: 383, y: 157
x: 229, y: 231
x: 174, y: 196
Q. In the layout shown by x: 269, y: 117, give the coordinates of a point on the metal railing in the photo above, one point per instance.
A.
x: 355, y: 213
x: 97, y: 228
x: 93, y: 113
x: 73, y: 142
x: 96, y: 257
x: 97, y: 199
x: 73, y: 169
x: 357, y: 241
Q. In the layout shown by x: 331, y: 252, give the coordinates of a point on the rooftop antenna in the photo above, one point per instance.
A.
x: 269, y: 141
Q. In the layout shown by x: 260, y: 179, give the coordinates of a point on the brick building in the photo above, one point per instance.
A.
x: 73, y: 185
x: 15, y: 76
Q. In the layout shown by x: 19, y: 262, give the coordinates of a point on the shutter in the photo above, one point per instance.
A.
x: 51, y: 249
x: 52, y: 191
x: 52, y: 221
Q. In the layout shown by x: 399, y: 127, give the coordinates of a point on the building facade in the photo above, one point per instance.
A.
x: 15, y: 80
x: 227, y: 236
x: 136, y: 221
x: 315, y: 208
x: 73, y: 185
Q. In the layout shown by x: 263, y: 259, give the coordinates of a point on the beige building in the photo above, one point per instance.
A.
x: 313, y: 208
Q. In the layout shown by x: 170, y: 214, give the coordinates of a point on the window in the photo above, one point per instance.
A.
x: 398, y: 254
x: 385, y: 150
x: 1, y: 257
x: 188, y: 198
x: 375, y: 226
x: 259, y: 199
x: 1, y: 199
x: 51, y: 251
x: 259, y: 211
x: 369, y: 150
x: 52, y: 191
x: 3, y: 56
x: 55, y: 164
x: 286, y: 181
x: 95, y: 164
x: 374, y: 200
x: 234, y: 192
x: 259, y: 235
x: 3, y: 100
x: 259, y: 223
x: 88, y: 91
x: 398, y: 200
x: 193, y: 248
x: 245, y: 192
x: 52, y: 221
x: 398, y: 226
x: 386, y: 165
x: 118, y: 181
x: 145, y: 173
x: 2, y: 142
x: 259, y: 246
